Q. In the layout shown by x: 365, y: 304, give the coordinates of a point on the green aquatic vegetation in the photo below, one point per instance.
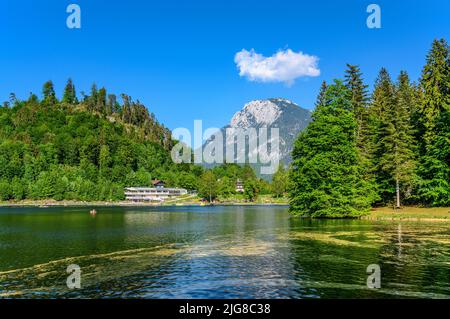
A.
x: 333, y: 238
x: 95, y: 269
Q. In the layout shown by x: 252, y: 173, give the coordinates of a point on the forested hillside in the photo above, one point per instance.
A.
x: 90, y: 148
x: 391, y: 147
x: 85, y: 149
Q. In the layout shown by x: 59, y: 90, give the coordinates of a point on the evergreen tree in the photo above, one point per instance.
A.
x: 48, y: 92
x: 359, y: 100
x: 321, y: 96
x: 326, y: 176
x: 111, y: 104
x: 396, y: 159
x: 383, y: 100
x: 92, y: 100
x: 101, y: 101
x: 69, y: 93
x: 126, y: 108
x: 434, y: 112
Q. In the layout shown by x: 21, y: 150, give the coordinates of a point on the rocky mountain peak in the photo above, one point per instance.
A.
x: 279, y: 113
x: 259, y: 113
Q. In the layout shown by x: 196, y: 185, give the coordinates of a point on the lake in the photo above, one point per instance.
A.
x: 217, y: 252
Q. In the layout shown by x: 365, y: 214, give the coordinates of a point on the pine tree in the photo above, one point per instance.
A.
x: 69, y: 93
x: 434, y: 114
x: 326, y: 179
x: 48, y: 92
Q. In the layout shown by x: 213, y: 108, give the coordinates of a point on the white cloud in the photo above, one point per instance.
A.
x: 283, y: 66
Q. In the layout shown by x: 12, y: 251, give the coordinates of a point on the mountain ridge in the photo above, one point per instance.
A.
x: 270, y: 113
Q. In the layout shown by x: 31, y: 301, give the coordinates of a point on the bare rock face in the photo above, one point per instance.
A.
x: 279, y: 113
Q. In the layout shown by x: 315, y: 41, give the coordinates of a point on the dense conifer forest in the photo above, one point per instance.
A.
x: 390, y: 147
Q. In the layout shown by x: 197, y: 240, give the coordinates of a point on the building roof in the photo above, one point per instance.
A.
x: 157, y: 182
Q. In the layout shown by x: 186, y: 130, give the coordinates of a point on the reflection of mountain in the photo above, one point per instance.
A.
x: 279, y: 113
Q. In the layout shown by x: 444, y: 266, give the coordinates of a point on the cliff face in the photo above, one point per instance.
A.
x: 279, y: 113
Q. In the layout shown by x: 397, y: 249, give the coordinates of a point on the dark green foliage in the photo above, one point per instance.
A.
x: 251, y: 190
x: 81, y: 151
x: 48, y: 92
x: 321, y: 97
x: 326, y: 177
x: 226, y: 176
x: 70, y: 95
x: 392, y: 137
x: 227, y: 187
x: 358, y: 95
x: 434, y: 130
x: 402, y: 138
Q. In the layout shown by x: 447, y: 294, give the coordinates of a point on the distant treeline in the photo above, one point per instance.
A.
x: 90, y: 148
x: 390, y: 147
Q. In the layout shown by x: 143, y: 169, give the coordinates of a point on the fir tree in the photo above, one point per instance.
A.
x: 383, y: 100
x: 396, y: 144
x: 359, y: 99
x: 321, y: 96
x: 434, y: 112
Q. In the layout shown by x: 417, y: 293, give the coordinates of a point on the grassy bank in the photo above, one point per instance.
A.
x: 410, y: 213
x: 239, y: 199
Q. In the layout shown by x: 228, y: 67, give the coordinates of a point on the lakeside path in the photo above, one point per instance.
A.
x: 380, y: 213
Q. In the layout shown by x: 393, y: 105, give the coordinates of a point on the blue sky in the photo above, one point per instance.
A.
x: 177, y: 57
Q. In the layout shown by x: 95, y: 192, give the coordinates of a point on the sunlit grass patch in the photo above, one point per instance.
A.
x: 411, y: 213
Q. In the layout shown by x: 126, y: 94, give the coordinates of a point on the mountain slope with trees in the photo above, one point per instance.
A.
x: 86, y: 149
x: 89, y: 149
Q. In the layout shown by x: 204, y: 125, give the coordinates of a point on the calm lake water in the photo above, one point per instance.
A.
x: 217, y: 252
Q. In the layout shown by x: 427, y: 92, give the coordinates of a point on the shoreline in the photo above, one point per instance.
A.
x: 410, y: 213
x: 53, y: 203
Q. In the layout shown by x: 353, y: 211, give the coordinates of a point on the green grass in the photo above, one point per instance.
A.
x: 412, y: 213
x: 261, y: 199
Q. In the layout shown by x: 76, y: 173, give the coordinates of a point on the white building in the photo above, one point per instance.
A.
x: 152, y: 194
